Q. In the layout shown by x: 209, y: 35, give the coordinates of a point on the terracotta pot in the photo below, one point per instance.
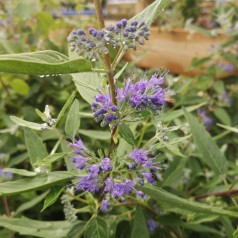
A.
x: 174, y: 50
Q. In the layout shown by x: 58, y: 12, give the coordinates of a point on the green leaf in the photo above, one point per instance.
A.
x: 211, y: 154
x: 24, y: 123
x: 52, y: 196
x: 96, y: 228
x: 77, y: 230
x: 65, y: 107
x: 202, y: 229
x: 44, y: 22
x: 229, y: 128
x: 42, y: 63
x: 101, y: 135
x: 149, y: 14
x: 171, y: 115
x: 29, y: 204
x: 73, y: 120
x: 127, y: 134
x: 26, y: 226
x: 22, y: 172
x: 20, y: 86
x: 139, y: 229
x: 118, y: 75
x: 36, y: 183
x: 87, y: 85
x: 53, y: 158
x: 172, y: 148
x: 223, y: 116
x: 177, y: 202
x: 35, y: 147
x: 235, y: 234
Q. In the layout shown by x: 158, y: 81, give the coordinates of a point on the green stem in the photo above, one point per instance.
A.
x: 77, y: 198
x: 228, y: 187
x: 118, y: 57
x: 141, y: 136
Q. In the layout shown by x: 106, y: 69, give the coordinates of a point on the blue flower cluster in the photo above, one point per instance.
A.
x: 133, y: 97
x: 104, y: 110
x: 92, y: 45
x: 111, y: 179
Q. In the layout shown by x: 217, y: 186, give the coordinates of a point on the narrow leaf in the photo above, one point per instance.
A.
x: 178, y: 202
x: 139, y: 229
x: 127, y: 134
x: 24, y: 123
x: 101, y: 135
x: 42, y: 63
x: 73, y: 120
x: 36, y: 183
x: 52, y: 196
x: 22, y: 172
x: 229, y: 128
x: 35, y: 147
x: 46, y: 229
x: 211, y: 154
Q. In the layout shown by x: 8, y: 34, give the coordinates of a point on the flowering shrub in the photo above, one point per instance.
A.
x: 129, y: 175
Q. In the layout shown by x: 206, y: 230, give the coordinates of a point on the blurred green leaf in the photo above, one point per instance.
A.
x: 42, y: 63
x: 139, y: 229
x: 20, y: 86
x: 229, y: 128
x: 52, y: 196
x: 36, y: 183
x: 29, y: 204
x: 35, y: 147
x: 73, y: 120
x: 222, y: 115
x: 211, y: 154
x: 22, y: 172
x: 172, y: 200
x: 46, y: 229
x: 101, y: 135
x: 127, y: 134
x: 45, y: 22
x: 24, y: 123
x: 96, y: 228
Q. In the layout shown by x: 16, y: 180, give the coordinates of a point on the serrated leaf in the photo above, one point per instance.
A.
x: 139, y: 229
x: 96, y: 228
x: 45, y: 229
x: 77, y: 230
x: 24, y: 123
x: 35, y: 147
x: 177, y: 202
x: 126, y: 133
x: 73, y: 120
x: 149, y: 14
x: 42, y: 63
x: 211, y: 154
x: 52, y: 196
x: 36, y: 183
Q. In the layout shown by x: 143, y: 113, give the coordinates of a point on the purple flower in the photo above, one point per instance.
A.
x: 104, y: 110
x: 94, y: 171
x: 106, y: 164
x: 208, y: 121
x: 78, y: 146
x: 151, y: 224
x: 108, y: 185
x: 79, y: 161
x: 5, y: 175
x: 104, y: 205
x: 150, y: 177
x: 119, y: 189
x: 87, y: 183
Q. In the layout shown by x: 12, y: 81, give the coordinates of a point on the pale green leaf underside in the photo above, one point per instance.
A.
x: 42, y: 63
